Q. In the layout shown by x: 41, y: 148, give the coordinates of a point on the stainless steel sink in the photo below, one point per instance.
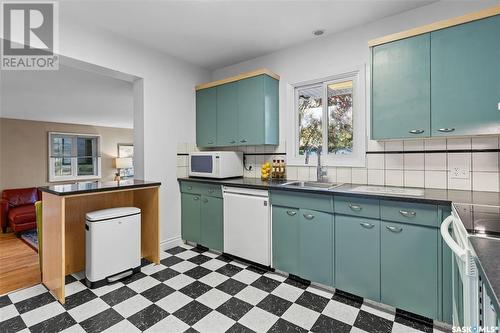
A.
x: 312, y: 185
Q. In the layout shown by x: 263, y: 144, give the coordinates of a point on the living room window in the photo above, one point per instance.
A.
x: 74, y: 156
x: 328, y: 118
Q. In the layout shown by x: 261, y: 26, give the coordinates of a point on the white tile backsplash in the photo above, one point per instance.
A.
x: 429, y: 170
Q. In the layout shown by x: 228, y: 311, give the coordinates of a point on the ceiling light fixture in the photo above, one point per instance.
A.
x: 318, y: 32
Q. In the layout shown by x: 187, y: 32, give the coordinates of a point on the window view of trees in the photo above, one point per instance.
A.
x: 339, y: 139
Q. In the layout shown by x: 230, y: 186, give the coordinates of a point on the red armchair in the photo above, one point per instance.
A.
x: 17, y: 209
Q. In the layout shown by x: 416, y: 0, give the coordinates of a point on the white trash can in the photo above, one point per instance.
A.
x: 112, y: 245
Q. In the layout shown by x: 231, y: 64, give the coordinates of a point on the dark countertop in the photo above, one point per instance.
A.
x: 487, y: 259
x: 90, y: 187
x: 434, y: 196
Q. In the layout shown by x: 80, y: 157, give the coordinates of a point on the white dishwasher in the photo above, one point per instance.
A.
x: 247, y: 224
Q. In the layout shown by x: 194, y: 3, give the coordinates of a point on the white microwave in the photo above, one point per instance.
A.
x: 216, y: 164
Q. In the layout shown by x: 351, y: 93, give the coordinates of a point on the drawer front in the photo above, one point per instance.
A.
x: 409, y: 212
x: 357, y: 206
x: 320, y: 202
x: 213, y: 190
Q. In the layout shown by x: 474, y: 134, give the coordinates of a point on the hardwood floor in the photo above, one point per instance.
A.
x: 19, y: 267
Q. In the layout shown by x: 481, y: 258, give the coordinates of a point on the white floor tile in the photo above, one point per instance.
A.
x: 88, y: 309
x: 258, y: 320
x: 213, y: 264
x: 187, y: 255
x: 107, y: 288
x: 287, y: 292
x: 399, y: 328
x: 164, y: 255
x: 121, y: 327
x: 42, y: 313
x: 8, y: 312
x: 213, y: 279
x: 132, y: 305
x: 79, y: 275
x: 301, y: 316
x: 143, y: 284
x: 275, y: 276
x: 341, y: 311
x: 23, y: 294
x: 179, y: 281
x: 74, y: 329
x: 214, y: 322
x: 246, y: 276
x: 174, y: 301
x: 320, y: 291
x: 171, y: 324
x: 213, y: 298
x: 153, y: 268
x: 73, y: 288
x: 251, y: 295
x: 183, y: 266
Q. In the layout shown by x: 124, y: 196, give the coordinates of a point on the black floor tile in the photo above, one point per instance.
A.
x: 34, y: 302
x: 69, y: 279
x: 346, y: 298
x: 224, y: 258
x: 412, y: 320
x: 132, y: 278
x: 281, y: 325
x: 119, y: 295
x: 171, y: 261
x: 195, y: 289
x: 145, y: 262
x: 229, y: 270
x: 312, y: 301
x: 297, y: 282
x: 199, y: 249
x: 11, y: 325
x: 157, y: 292
x: 4, y: 301
x: 231, y: 286
x: 78, y: 298
x: 265, y: 283
x: 192, y: 312
x: 198, y: 272
x: 176, y: 250
x: 199, y: 259
x: 147, y: 317
x: 274, y: 304
x: 165, y: 274
x: 327, y: 324
x: 257, y: 269
x: 234, y: 308
x: 101, y: 321
x: 238, y: 328
x: 54, y: 324
x: 372, y: 323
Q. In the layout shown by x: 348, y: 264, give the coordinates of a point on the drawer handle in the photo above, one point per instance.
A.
x: 232, y: 141
x: 205, y: 200
x: 446, y: 130
x: 394, y: 229
x: 367, y: 225
x: 309, y: 216
x: 355, y: 207
x: 196, y: 198
x: 211, y: 190
x: 210, y: 142
x: 407, y: 213
x: 243, y: 141
x: 291, y: 212
x: 416, y: 131
x: 190, y: 187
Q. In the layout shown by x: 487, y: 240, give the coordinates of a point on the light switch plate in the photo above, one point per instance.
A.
x: 460, y: 173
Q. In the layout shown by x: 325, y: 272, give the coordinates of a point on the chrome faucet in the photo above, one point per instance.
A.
x: 320, y: 170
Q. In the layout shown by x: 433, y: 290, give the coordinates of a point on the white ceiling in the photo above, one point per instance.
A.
x: 68, y: 95
x: 214, y: 34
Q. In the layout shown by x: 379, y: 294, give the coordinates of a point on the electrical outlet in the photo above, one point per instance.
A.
x: 460, y: 173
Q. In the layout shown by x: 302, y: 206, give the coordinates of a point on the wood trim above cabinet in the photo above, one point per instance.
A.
x: 488, y: 12
x: 238, y: 77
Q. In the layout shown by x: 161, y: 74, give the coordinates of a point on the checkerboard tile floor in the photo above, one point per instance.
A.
x: 196, y: 291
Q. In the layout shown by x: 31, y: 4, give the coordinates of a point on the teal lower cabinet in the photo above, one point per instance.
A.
x: 202, y: 219
x: 316, y: 246
x: 286, y: 239
x: 190, y: 217
x: 212, y: 234
x: 357, y: 256
x: 409, y: 267
x: 447, y: 275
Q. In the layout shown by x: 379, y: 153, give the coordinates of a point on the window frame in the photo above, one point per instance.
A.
x: 358, y: 156
x: 74, y: 157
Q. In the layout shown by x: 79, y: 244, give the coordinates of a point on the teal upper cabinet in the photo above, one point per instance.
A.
x: 227, y: 114
x: 401, y: 89
x: 206, y: 117
x: 243, y: 110
x: 465, y: 79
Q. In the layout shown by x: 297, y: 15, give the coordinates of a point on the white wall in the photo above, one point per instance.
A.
x: 169, y: 106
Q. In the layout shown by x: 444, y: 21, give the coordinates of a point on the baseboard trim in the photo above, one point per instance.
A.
x: 170, y: 243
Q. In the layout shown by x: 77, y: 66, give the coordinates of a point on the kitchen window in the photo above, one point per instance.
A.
x: 74, y: 157
x: 328, y: 119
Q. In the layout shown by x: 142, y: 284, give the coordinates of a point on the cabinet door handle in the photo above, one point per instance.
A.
x: 355, y: 207
x: 367, y: 225
x: 309, y: 216
x: 291, y: 212
x: 205, y: 200
x: 190, y: 187
x: 446, y: 130
x: 232, y: 141
x: 210, y: 142
x: 394, y: 229
x: 407, y: 213
x: 196, y: 198
x: 243, y: 141
x: 416, y: 131
x: 211, y: 190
